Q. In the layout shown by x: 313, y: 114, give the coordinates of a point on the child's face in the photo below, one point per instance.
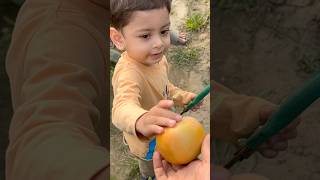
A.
x: 146, y: 37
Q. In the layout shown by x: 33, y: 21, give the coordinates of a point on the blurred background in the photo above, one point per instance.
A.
x: 269, y: 49
x: 8, y: 12
x: 265, y: 48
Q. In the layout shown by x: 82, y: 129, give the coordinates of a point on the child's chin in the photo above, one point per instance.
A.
x: 152, y: 61
x: 157, y: 61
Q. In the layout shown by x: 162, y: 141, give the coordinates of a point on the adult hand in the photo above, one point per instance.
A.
x: 197, y: 169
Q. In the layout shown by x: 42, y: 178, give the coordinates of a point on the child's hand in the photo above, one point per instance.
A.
x: 278, y: 142
x: 152, y: 122
x: 190, y: 97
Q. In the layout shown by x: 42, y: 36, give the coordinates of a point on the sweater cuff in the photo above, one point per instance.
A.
x: 136, y: 114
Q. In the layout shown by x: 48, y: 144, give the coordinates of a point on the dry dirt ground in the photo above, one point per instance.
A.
x: 269, y: 50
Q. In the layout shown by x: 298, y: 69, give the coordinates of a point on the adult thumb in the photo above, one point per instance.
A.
x: 205, y: 149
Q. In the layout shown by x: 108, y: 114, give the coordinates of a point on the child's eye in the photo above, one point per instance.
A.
x: 165, y: 32
x: 145, y: 36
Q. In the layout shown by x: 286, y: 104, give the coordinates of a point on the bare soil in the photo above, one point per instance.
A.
x: 269, y: 51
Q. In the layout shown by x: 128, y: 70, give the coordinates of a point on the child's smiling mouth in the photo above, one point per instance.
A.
x: 157, y: 55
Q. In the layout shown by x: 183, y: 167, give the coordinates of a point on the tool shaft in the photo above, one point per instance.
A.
x: 288, y: 111
x: 197, y: 99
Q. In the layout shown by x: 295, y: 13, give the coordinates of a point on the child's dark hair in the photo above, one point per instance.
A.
x: 121, y: 10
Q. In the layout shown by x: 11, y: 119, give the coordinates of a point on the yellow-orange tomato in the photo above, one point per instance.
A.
x: 182, y: 143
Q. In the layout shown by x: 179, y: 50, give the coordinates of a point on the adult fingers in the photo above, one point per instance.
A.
x: 205, y: 149
x: 158, y: 166
x: 168, y: 168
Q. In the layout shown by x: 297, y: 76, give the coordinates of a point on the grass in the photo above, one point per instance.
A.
x: 131, y: 163
x: 184, y: 56
x: 124, y: 158
x: 206, y: 82
x: 196, y: 22
x: 134, y: 172
x: 111, y: 71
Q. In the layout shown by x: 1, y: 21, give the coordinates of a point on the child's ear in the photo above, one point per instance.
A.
x: 117, y: 38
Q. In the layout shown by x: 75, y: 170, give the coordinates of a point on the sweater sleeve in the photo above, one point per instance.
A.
x: 126, y: 108
x: 52, y: 133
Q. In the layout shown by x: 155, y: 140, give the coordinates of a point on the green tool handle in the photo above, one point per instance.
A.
x: 288, y: 111
x: 197, y: 99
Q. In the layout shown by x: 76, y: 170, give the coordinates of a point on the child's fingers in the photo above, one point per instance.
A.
x: 265, y: 146
x: 265, y: 113
x: 167, y: 114
x: 195, y: 109
x: 292, y: 126
x: 154, y: 129
x: 165, y: 122
x: 280, y: 146
x: 198, y: 106
x: 268, y: 153
x: 289, y: 134
x: 189, y: 98
x: 166, y: 104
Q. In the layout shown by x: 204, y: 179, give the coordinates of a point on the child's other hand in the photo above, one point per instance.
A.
x: 278, y: 142
x: 190, y: 97
x: 160, y: 116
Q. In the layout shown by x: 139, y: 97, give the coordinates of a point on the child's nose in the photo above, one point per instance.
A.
x: 158, y: 42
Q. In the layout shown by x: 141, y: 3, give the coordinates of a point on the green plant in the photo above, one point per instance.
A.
x: 134, y: 170
x: 111, y: 71
x: 196, y: 22
x: 206, y: 82
x: 113, y: 178
x: 183, y: 56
